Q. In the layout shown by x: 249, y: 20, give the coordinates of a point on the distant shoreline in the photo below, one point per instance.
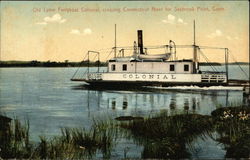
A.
x: 6, y: 64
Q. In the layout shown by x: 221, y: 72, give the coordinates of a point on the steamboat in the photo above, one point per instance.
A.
x: 145, y: 69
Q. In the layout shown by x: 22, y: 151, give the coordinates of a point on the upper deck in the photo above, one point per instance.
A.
x: 150, y: 66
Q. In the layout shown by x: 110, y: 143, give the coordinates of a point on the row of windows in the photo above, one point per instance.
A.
x: 171, y: 68
x: 124, y: 67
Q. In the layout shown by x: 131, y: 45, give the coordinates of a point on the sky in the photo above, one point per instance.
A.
x: 59, y: 31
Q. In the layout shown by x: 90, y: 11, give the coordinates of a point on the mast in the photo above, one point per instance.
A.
x: 196, y: 67
x: 115, y: 42
x: 226, y: 61
x: 194, y: 32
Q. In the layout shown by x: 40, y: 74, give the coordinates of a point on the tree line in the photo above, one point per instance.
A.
x: 35, y: 63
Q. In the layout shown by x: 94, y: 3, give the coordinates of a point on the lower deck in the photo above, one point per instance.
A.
x: 155, y: 79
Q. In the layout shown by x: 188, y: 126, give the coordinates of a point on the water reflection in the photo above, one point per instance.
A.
x: 124, y: 103
x: 226, y: 98
x: 172, y: 104
x: 186, y: 104
x: 193, y: 103
x: 113, y: 104
x: 145, y: 102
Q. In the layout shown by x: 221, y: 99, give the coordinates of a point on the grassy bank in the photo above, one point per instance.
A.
x: 73, y: 143
x: 233, y: 126
x: 161, y: 135
x: 166, y: 136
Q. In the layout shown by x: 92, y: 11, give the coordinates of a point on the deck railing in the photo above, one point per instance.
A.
x: 216, y: 77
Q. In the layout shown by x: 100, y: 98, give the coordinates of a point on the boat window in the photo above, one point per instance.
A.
x: 113, y: 67
x: 186, y: 67
x: 124, y: 67
x: 171, y: 67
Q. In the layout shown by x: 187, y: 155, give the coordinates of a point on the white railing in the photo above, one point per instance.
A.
x: 213, y: 78
x: 94, y: 76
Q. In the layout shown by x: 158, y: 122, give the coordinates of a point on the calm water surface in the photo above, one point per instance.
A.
x: 48, y: 98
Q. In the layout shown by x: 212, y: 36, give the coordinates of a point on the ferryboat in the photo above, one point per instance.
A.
x: 145, y: 69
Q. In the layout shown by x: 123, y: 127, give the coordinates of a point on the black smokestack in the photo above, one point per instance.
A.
x: 140, y: 41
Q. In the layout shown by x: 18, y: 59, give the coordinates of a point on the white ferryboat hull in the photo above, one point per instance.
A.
x: 145, y: 77
x: 154, y: 79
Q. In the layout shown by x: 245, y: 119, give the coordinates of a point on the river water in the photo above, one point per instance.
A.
x: 48, y: 98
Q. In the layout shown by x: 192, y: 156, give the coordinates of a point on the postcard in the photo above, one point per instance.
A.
x: 124, y: 79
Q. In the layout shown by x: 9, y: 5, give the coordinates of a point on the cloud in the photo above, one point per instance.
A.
x: 87, y: 31
x: 232, y: 38
x: 41, y: 23
x: 171, y: 19
x: 56, y: 18
x: 215, y: 34
x: 181, y: 21
x: 218, y: 33
x: 229, y: 37
x: 164, y: 21
x: 75, y: 31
